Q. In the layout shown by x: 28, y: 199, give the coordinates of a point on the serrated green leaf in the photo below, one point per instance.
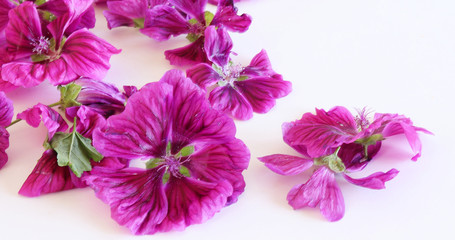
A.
x: 75, y: 151
x: 186, y: 151
x: 208, y: 16
x: 68, y: 95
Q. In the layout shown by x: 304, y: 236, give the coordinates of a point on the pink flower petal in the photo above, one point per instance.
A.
x: 286, y: 164
x: 60, y: 73
x: 24, y: 74
x: 6, y: 110
x: 117, y: 20
x: 51, y: 118
x: 5, y: 6
x: 226, y: 99
x: 4, y: 144
x: 136, y: 196
x: 261, y: 92
x: 320, y: 189
x: 217, y: 45
x: 374, y: 181
x: 164, y: 21
x: 203, y: 75
x: 227, y: 17
x: 259, y: 66
x: 194, y: 8
x: 322, y: 132
x: 190, y: 54
x: 87, y: 54
x: 48, y: 177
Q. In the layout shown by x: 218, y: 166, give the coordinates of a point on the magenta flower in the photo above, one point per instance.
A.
x: 236, y: 90
x: 164, y: 21
x: 39, y: 53
x: 48, y: 176
x: 194, y: 162
x: 335, y: 142
x: 130, y: 13
x: 6, y: 115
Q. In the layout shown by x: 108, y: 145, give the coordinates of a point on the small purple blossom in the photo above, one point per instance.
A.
x: 236, y: 90
x: 335, y: 142
x: 6, y: 115
x: 59, y: 51
x: 188, y: 17
x: 194, y: 163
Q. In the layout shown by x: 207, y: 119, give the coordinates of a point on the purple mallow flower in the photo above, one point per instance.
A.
x: 188, y: 17
x: 129, y: 13
x: 6, y: 115
x: 236, y: 90
x: 60, y: 51
x: 336, y: 142
x: 194, y: 162
x: 48, y: 176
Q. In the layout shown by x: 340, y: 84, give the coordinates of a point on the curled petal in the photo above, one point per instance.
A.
x: 6, y: 110
x: 194, y: 8
x: 51, y: 118
x: 226, y: 99
x: 88, y: 55
x: 259, y: 66
x: 203, y: 75
x: 117, y: 20
x: 48, y: 177
x: 191, y: 54
x: 217, y: 45
x: 320, y: 189
x: 375, y: 180
x: 320, y: 133
x: 88, y: 120
x: 286, y: 164
x: 163, y: 21
x: 353, y: 155
x: 193, y: 201
x: 227, y: 17
x: 4, y: 144
x: 215, y: 163
x: 136, y: 196
x: 261, y: 92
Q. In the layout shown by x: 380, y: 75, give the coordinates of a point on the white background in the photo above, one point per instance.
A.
x: 392, y: 56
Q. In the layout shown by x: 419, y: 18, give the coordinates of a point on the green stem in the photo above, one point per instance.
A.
x: 365, y: 152
x: 13, y: 122
x: 55, y: 104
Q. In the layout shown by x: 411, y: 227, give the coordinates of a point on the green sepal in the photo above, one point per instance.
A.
x: 184, y: 171
x: 46, y: 15
x: 152, y: 163
x: 192, y: 37
x: 185, y: 152
x: 371, y: 140
x: 75, y: 151
x: 193, y: 21
x: 166, y: 176
x: 68, y: 95
x: 242, y: 78
x: 208, y: 16
x: 168, y: 149
x: 39, y: 57
x: 331, y: 161
x: 139, y: 22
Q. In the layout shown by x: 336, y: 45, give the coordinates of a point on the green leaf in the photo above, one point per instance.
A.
x: 68, y: 95
x: 186, y: 151
x: 75, y: 151
x: 184, y: 171
x: 208, y: 17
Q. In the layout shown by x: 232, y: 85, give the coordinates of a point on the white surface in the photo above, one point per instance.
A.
x: 393, y: 56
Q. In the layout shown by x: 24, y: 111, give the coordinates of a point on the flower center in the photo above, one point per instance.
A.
x: 230, y: 74
x: 41, y: 45
x: 173, y: 165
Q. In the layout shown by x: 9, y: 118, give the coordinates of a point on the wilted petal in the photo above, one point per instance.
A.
x: 193, y: 201
x: 259, y: 66
x: 203, y: 75
x: 227, y: 16
x: 261, y: 92
x: 87, y: 54
x: 194, y: 8
x: 217, y: 162
x: 191, y: 54
x: 51, y: 118
x: 23, y: 27
x: 226, y: 99
x: 321, y: 132
x: 4, y: 144
x: 192, y: 118
x: 217, y: 45
x: 164, y: 21
x: 286, y: 164
x: 374, y: 181
x: 6, y: 110
x: 136, y: 196
x: 320, y: 189
x: 142, y: 129
x: 24, y: 74
x: 48, y: 177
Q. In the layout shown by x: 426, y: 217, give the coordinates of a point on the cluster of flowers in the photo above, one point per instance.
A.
x: 192, y: 161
